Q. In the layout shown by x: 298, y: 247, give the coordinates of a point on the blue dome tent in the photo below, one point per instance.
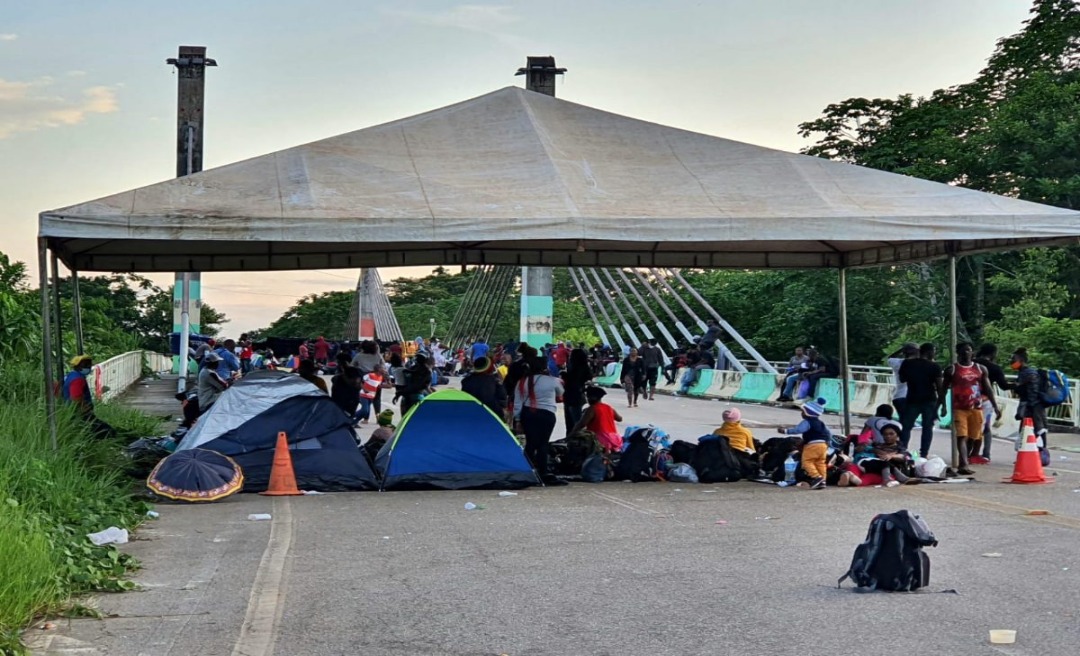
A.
x: 451, y: 441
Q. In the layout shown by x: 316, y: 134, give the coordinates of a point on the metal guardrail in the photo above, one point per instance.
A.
x: 1066, y: 414
x: 115, y: 375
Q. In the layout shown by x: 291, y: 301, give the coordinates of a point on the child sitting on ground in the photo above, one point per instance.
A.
x: 815, y: 436
x: 599, y: 418
x: 888, y: 458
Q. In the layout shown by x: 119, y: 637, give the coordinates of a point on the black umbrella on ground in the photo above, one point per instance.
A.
x: 196, y: 475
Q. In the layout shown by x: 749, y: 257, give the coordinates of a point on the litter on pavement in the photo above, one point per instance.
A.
x: 111, y: 535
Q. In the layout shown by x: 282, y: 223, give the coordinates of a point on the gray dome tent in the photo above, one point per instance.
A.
x: 245, y: 421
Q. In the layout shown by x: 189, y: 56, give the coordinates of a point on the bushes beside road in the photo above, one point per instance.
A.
x: 50, y: 500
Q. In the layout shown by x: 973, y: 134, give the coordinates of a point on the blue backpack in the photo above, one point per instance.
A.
x: 1054, y: 389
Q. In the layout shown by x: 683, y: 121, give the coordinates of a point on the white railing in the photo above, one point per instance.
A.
x: 113, y: 376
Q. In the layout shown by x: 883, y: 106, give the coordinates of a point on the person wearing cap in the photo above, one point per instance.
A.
x: 76, y: 391
x: 210, y: 384
x: 482, y: 384
x: 204, y: 348
x: 381, y: 435
x: 738, y: 436
x: 815, y: 437
x: 740, y: 439
x: 599, y: 419
x: 229, y: 365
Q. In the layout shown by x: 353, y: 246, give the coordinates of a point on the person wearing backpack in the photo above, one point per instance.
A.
x: 1029, y: 387
x: 815, y: 437
x: 968, y: 382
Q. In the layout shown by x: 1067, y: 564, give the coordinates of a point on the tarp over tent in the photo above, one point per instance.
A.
x: 244, y: 423
x: 517, y: 177
x: 451, y: 441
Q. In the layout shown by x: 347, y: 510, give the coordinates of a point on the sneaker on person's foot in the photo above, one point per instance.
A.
x: 818, y: 484
x: 965, y: 471
x: 978, y: 460
x: 552, y: 481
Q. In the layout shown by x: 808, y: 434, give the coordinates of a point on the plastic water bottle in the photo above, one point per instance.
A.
x: 789, y: 470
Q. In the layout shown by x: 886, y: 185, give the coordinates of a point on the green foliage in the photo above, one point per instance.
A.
x: 1014, y: 130
x: 50, y: 500
x: 314, y: 315
x: 578, y: 336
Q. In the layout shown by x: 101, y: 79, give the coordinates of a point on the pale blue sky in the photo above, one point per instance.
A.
x: 87, y: 104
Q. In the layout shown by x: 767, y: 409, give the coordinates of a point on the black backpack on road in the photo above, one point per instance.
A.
x: 892, y: 558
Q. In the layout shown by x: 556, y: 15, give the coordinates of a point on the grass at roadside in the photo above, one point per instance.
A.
x: 50, y: 500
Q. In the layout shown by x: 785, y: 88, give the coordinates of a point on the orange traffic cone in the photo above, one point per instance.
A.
x: 282, y: 478
x: 1028, y: 468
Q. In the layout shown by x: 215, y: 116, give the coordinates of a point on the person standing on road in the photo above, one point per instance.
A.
x: 923, y: 378
x: 652, y: 358
x: 968, y: 382
x: 633, y: 377
x: 816, y: 437
x: 987, y: 356
x: 1029, y: 388
x: 575, y: 378
x: 535, y: 399
x: 908, y: 351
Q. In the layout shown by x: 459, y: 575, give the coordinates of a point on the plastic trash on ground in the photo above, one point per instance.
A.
x: 507, y: 494
x: 153, y: 514
x: 260, y: 517
x: 471, y: 506
x: 1002, y: 636
x: 111, y: 535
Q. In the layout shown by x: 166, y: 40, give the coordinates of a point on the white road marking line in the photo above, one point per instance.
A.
x: 258, y: 634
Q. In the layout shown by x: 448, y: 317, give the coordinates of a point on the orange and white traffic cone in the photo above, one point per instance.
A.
x: 282, y: 477
x: 1028, y: 469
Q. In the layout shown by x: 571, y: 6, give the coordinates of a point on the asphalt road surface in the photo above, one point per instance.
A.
x: 617, y: 568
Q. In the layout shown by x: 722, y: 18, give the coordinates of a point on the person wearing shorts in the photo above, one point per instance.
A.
x: 967, y: 382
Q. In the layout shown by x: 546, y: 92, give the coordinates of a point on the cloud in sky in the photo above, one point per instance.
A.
x: 29, y: 106
x: 8, y: 37
x: 485, y: 19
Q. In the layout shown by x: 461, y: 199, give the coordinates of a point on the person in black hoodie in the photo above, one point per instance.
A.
x: 482, y: 384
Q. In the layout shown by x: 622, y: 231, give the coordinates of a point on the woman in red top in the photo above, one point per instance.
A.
x: 599, y: 419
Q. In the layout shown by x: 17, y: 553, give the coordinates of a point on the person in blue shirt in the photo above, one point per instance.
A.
x: 478, y: 350
x: 816, y: 437
x: 229, y: 362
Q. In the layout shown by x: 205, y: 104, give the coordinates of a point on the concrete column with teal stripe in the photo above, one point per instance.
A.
x: 194, y: 309
x: 537, y: 306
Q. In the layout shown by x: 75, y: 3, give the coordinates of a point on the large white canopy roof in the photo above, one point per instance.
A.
x: 516, y: 177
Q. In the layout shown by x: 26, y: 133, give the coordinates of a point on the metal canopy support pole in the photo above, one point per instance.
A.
x: 58, y: 318
x: 635, y: 342
x: 76, y: 313
x: 724, y: 350
x: 952, y: 345
x: 659, y: 324
x: 588, y: 306
x: 762, y: 362
x: 603, y: 310
x: 845, y: 373
x: 46, y: 337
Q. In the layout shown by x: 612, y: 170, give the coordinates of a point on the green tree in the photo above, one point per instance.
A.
x: 314, y: 315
